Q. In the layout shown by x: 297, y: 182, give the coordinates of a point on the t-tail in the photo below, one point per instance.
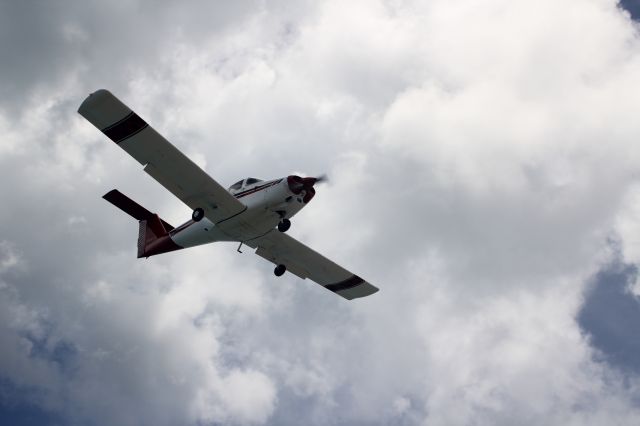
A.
x: 153, y: 236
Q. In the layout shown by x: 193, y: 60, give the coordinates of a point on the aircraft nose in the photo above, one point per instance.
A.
x: 298, y: 184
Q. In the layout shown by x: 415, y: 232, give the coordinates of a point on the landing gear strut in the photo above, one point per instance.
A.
x: 284, y: 225
x: 280, y: 269
x: 197, y: 215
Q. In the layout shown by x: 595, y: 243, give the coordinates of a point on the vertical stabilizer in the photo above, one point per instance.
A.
x: 153, y: 233
x: 153, y: 238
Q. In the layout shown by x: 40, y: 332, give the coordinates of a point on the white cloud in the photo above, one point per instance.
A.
x: 248, y: 397
x: 481, y: 156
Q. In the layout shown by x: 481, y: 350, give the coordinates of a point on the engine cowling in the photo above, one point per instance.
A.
x: 298, y: 185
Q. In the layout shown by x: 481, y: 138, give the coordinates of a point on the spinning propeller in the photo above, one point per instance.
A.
x: 299, y: 184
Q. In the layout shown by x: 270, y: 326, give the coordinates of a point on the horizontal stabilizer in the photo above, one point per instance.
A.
x: 132, y: 208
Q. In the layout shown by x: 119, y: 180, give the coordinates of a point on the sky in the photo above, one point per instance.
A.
x: 484, y: 174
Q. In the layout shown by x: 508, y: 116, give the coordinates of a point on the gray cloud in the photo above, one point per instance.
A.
x: 80, y: 45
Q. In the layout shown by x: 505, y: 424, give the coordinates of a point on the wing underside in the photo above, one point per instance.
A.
x: 161, y: 160
x: 281, y: 249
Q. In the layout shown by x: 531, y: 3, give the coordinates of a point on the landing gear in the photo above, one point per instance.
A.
x: 284, y: 225
x: 280, y: 269
x: 197, y: 215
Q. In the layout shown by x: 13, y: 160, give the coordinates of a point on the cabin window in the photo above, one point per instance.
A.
x: 236, y: 186
x: 251, y: 181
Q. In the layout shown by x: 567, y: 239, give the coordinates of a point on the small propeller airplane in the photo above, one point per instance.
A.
x: 247, y: 213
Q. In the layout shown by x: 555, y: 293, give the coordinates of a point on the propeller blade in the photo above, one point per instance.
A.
x: 323, y: 178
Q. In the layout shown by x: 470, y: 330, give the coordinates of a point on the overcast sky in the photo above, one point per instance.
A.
x: 484, y: 173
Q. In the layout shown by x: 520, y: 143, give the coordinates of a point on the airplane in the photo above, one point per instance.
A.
x: 251, y: 212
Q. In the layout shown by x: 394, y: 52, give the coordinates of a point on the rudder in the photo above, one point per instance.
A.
x: 153, y: 232
x: 153, y: 238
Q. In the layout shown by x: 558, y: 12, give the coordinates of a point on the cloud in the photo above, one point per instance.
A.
x: 482, y: 158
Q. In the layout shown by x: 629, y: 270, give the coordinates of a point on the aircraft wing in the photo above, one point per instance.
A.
x: 281, y: 249
x: 163, y: 161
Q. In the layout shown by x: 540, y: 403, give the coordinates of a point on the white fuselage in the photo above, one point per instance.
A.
x: 267, y: 203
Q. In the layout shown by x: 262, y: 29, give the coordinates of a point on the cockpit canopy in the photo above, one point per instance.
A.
x: 243, y: 184
x: 251, y: 181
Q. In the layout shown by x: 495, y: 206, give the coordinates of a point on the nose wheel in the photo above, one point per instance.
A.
x: 284, y: 225
x: 280, y: 270
x: 197, y: 215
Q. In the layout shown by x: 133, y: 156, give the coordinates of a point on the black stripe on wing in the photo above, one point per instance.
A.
x: 352, y: 282
x: 130, y: 125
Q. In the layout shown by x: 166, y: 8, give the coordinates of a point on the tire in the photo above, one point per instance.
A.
x: 197, y: 215
x: 280, y: 270
x: 284, y: 225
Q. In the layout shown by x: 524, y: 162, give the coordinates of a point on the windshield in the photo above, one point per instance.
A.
x: 251, y: 181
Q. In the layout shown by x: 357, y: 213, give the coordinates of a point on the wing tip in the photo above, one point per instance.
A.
x: 352, y: 288
x: 358, y: 293
x: 102, y: 109
x: 93, y: 98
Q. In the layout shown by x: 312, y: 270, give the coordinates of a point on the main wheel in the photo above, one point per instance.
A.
x: 280, y: 269
x: 197, y: 215
x: 284, y: 225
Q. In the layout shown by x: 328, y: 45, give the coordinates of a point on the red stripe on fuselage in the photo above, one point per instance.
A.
x: 257, y: 188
